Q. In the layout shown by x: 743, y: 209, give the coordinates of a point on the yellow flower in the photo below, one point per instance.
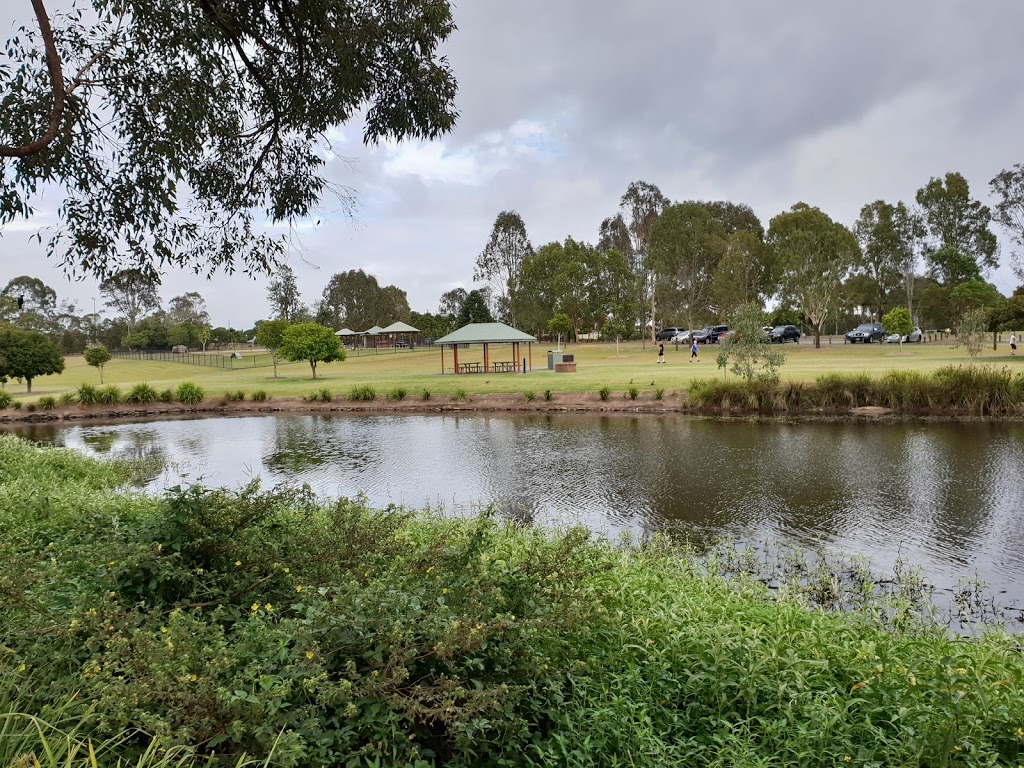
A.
x: 444, y: 591
x: 21, y: 668
x: 163, y: 630
x: 1020, y: 732
x: 287, y: 570
x: 237, y: 563
x: 310, y: 654
x: 298, y: 588
x: 74, y: 622
x: 847, y: 759
x: 192, y: 678
x: 254, y: 607
x: 268, y: 607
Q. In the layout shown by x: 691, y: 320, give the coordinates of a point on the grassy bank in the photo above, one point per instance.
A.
x: 269, y: 623
x: 598, y: 365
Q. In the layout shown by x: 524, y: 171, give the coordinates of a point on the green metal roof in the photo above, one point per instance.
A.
x: 400, y: 327
x: 490, y: 333
x: 373, y: 331
x: 347, y: 332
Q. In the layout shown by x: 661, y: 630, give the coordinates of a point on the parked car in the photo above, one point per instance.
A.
x: 780, y: 334
x: 865, y: 333
x: 710, y: 334
x: 683, y: 337
x: 667, y: 334
x: 914, y: 337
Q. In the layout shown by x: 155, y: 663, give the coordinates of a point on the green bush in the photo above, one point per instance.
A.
x: 235, y: 397
x: 189, y: 393
x: 425, y: 394
x: 633, y: 392
x: 460, y: 394
x: 604, y: 393
x: 659, y: 393
x: 141, y: 394
x: 87, y: 394
x: 48, y: 402
x: 16, y: 405
x: 362, y: 393
x: 5, y: 399
x: 978, y: 389
x: 530, y: 396
x: 68, y: 398
x: 398, y: 393
x: 266, y: 621
x: 260, y: 395
x: 547, y: 394
x: 109, y: 395
x: 167, y: 396
x: 844, y: 390
x: 30, y: 407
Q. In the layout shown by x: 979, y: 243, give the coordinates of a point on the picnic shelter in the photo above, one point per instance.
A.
x: 487, y: 335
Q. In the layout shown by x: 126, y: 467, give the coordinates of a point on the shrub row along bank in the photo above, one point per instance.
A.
x: 335, y: 635
x: 967, y: 390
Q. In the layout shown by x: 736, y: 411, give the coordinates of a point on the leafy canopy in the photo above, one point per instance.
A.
x: 27, y: 354
x: 311, y: 342
x: 175, y: 128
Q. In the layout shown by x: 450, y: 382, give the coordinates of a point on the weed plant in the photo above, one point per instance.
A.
x: 322, y: 395
x: 87, y: 394
x: 530, y: 396
x: 362, y: 393
x: 67, y: 398
x: 141, y: 394
x: 260, y: 396
x: 30, y: 407
x: 236, y: 396
x: 659, y: 393
x: 167, y: 396
x: 460, y: 394
x: 547, y: 394
x: 604, y: 393
x: 48, y: 402
x: 16, y: 405
x: 252, y: 622
x: 425, y: 394
x: 189, y: 393
x: 397, y: 394
x: 109, y: 395
x: 633, y: 392
x: 5, y: 399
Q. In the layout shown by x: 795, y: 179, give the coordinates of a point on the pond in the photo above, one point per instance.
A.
x: 948, y: 497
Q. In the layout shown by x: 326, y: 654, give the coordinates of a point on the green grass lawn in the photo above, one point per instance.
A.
x: 598, y: 366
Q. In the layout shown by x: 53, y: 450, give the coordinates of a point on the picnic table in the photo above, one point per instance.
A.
x: 469, y: 367
x: 504, y: 367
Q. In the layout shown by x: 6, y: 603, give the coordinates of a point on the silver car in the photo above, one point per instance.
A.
x: 914, y: 337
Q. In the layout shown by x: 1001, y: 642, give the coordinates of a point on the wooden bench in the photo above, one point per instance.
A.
x: 469, y: 367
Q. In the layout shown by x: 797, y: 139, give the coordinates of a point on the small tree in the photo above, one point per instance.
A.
x: 559, y: 324
x: 311, y: 342
x: 898, y: 321
x: 751, y: 357
x: 615, y: 328
x: 97, y: 356
x: 971, y: 329
x: 269, y: 335
x: 27, y: 354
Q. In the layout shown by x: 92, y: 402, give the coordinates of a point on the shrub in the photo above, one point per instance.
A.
x: 840, y: 390
x: 425, y: 394
x: 87, y: 394
x: 398, y: 393
x: 68, y: 398
x: 362, y: 393
x: 167, y: 396
x: 632, y: 392
x: 905, y: 389
x: 235, y: 397
x: 460, y: 394
x: 109, y: 395
x: 189, y: 393
x: 141, y: 394
x: 260, y: 395
x: 30, y: 407
x: 530, y: 396
x: 16, y: 405
x: 48, y: 403
x: 978, y: 389
x: 659, y: 393
x: 604, y: 393
x: 547, y: 394
x: 5, y: 399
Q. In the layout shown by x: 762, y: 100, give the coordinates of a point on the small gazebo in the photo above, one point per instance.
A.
x: 400, y: 333
x: 371, y: 332
x: 348, y: 336
x: 488, y: 335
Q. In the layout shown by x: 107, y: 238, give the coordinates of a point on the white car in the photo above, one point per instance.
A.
x: 683, y: 337
x: 914, y: 337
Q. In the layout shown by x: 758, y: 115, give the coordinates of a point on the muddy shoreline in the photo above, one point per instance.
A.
x: 490, y: 403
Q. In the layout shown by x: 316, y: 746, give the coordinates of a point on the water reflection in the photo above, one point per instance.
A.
x: 947, y: 496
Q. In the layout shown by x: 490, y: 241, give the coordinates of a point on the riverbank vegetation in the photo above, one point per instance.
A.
x: 277, y: 626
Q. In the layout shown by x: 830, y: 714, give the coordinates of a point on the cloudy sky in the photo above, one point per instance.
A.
x: 565, y: 103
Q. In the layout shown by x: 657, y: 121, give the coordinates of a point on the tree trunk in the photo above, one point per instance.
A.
x: 101, y: 374
x: 28, y: 383
x: 274, y: 358
x: 312, y: 364
x: 817, y: 337
x: 654, y: 322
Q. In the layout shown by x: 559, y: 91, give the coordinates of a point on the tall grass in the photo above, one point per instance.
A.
x: 964, y: 390
x: 252, y: 622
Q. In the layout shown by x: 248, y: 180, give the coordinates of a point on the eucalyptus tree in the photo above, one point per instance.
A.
x: 283, y: 295
x: 1008, y: 186
x: 501, y: 260
x: 884, y: 250
x: 629, y: 232
x: 815, y: 254
x: 132, y: 294
x: 961, y: 246
x: 175, y: 128
x: 355, y: 299
x: 746, y: 273
x: 686, y: 246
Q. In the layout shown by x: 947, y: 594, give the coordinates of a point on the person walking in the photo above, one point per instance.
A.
x: 1013, y: 344
x: 693, y: 351
x: 661, y: 352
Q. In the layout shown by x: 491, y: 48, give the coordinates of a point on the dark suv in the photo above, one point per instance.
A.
x: 710, y: 334
x: 783, y: 333
x: 866, y: 333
